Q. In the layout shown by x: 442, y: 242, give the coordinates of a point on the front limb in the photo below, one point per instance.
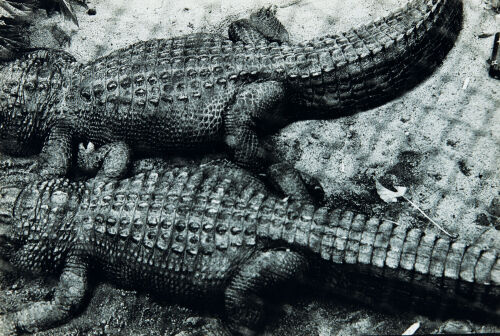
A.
x: 68, y: 297
x: 110, y: 161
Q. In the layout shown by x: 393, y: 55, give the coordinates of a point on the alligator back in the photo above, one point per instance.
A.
x: 177, y: 231
x: 204, y: 223
x: 199, y: 225
x: 175, y: 89
x: 172, y: 90
x: 185, y: 231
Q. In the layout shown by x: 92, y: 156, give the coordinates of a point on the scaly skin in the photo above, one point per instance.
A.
x: 215, y: 234
x: 198, y: 91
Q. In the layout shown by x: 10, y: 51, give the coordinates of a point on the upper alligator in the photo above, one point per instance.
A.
x: 215, y: 234
x: 200, y: 90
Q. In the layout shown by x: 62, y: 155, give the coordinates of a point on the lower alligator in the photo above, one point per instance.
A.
x: 215, y: 233
x: 198, y: 91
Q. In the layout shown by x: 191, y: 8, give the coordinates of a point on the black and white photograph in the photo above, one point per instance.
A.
x: 245, y: 168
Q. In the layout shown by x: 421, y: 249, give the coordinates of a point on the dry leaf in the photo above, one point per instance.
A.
x: 387, y: 195
x: 412, y: 329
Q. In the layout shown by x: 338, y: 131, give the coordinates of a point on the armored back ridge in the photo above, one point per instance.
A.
x: 214, y: 233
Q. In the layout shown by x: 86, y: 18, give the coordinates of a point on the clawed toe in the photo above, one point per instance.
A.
x: 272, y: 10
x: 86, y: 150
x: 85, y: 157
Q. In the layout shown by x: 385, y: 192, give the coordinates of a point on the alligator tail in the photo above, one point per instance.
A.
x: 391, y: 266
x: 368, y: 65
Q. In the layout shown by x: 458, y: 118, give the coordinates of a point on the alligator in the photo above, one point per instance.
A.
x: 214, y: 234
x: 200, y: 91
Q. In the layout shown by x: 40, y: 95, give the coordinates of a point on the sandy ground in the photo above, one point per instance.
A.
x: 440, y: 140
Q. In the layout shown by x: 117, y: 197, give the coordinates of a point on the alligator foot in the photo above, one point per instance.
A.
x: 266, y: 22
x: 109, y: 161
x: 274, y: 271
x: 261, y: 26
x: 289, y: 181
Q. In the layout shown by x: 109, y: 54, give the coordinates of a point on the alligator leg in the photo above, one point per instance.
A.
x: 264, y: 275
x: 68, y: 296
x: 109, y: 161
x: 297, y: 184
x: 256, y: 104
x: 253, y: 104
x: 261, y: 26
x: 55, y: 158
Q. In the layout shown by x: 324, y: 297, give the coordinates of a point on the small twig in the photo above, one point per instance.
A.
x: 390, y: 196
x: 391, y: 221
x: 433, y: 222
x: 292, y: 3
x: 466, y: 83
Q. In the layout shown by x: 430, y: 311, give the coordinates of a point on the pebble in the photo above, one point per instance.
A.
x: 455, y: 327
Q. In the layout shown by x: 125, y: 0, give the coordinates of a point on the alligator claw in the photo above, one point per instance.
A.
x: 268, y: 11
x: 86, y: 150
x: 86, y: 158
x: 272, y: 10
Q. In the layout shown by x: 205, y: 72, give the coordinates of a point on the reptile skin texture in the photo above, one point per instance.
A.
x: 214, y: 234
x: 199, y: 91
